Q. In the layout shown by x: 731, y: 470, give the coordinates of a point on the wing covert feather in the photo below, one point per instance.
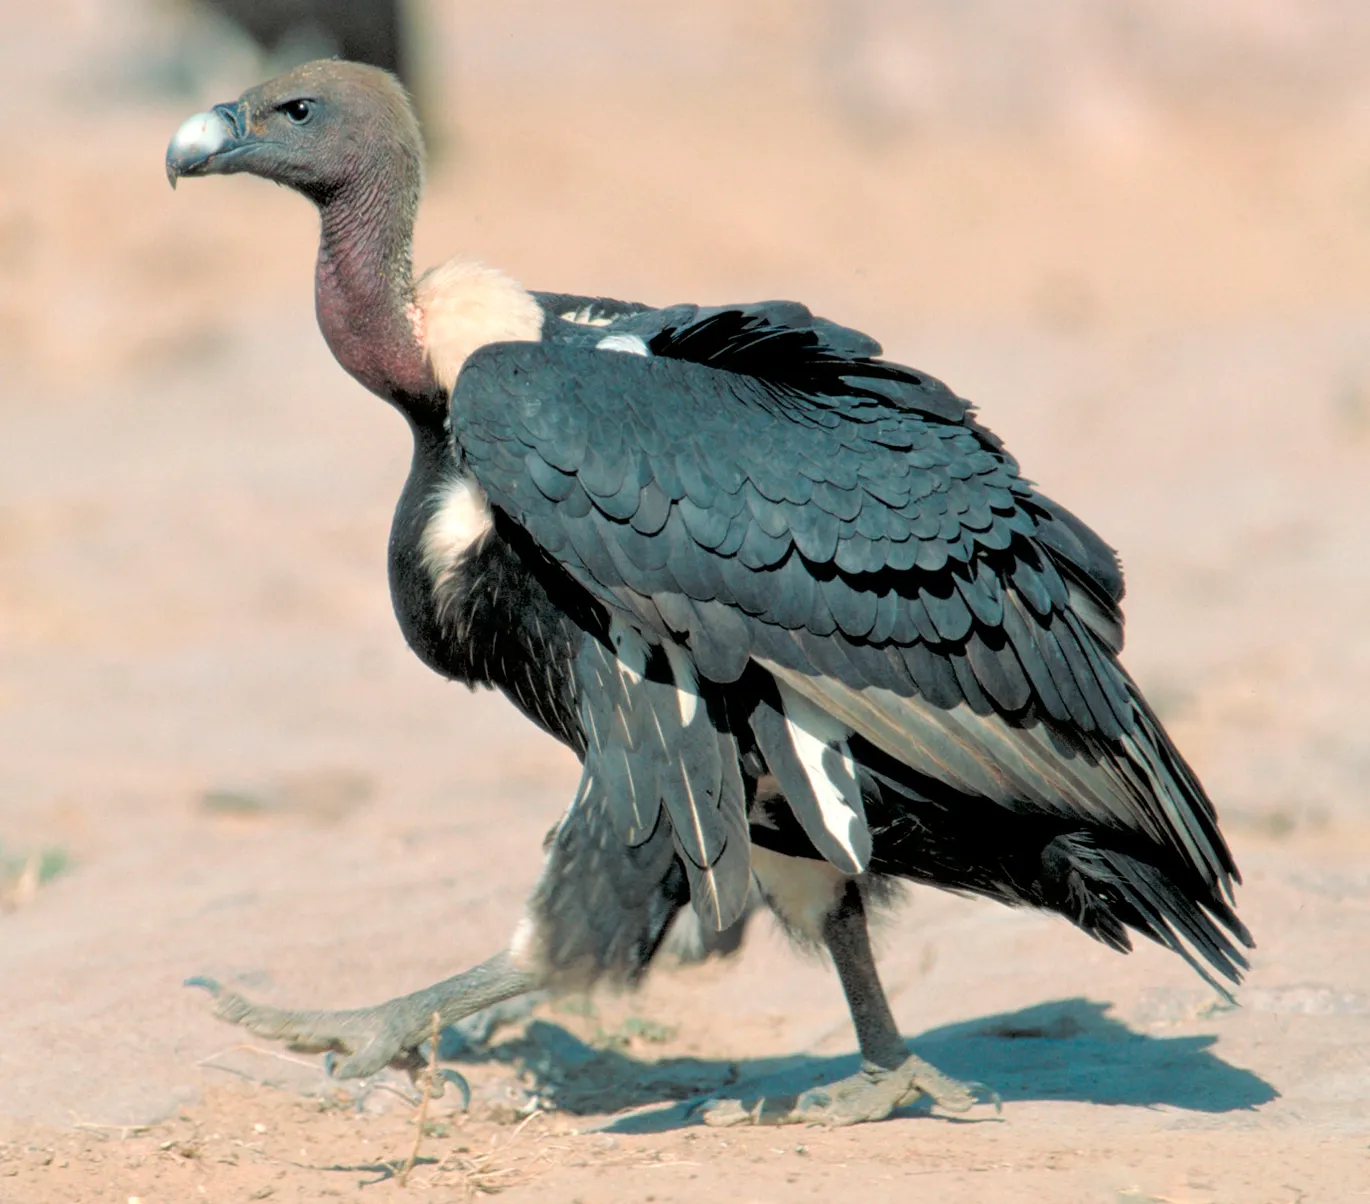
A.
x: 863, y: 536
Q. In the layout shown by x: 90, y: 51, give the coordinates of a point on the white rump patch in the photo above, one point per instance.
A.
x: 814, y: 732
x: 630, y: 344
x: 686, y: 683
x: 461, y: 519
x: 465, y: 305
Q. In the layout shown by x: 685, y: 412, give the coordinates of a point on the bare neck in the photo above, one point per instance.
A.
x: 363, y: 290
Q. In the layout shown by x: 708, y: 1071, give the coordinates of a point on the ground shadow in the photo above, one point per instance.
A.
x: 380, y: 1172
x: 1067, y: 1049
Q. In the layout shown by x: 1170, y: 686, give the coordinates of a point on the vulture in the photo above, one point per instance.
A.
x: 808, y: 630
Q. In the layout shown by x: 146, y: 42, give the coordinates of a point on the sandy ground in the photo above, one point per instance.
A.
x: 219, y: 758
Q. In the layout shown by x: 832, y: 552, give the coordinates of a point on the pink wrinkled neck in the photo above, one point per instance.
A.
x: 362, y: 292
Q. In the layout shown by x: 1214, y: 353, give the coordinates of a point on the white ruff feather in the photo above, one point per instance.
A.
x: 462, y: 306
x: 460, y: 520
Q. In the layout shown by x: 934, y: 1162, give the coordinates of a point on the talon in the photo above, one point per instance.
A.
x: 458, y: 1081
x: 984, y: 1094
x: 873, y: 1093
x: 389, y: 1034
x: 948, y: 1094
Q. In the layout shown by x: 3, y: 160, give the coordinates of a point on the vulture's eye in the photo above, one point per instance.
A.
x: 298, y: 111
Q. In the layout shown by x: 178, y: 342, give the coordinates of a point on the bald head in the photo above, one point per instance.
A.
x: 321, y: 129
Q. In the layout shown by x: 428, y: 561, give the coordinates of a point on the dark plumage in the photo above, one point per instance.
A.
x: 794, y: 607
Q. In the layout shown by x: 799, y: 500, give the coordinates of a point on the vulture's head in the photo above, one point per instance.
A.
x: 321, y: 129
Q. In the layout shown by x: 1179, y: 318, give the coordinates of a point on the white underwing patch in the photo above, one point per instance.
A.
x: 465, y: 305
x: 816, y: 735
x: 686, y: 682
x: 629, y: 344
x: 461, y: 518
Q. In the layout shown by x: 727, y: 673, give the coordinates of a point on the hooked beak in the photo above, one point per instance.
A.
x: 208, y: 143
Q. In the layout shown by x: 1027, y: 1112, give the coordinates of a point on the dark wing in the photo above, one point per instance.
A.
x: 654, y: 738
x: 781, y: 342
x: 781, y: 496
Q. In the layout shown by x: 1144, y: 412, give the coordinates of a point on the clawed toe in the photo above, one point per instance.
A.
x: 951, y: 1095
x: 872, y: 1094
x: 355, y: 1045
x: 415, y: 1064
x: 370, y: 1039
x: 967, y: 1095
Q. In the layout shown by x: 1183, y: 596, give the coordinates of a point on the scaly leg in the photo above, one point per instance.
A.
x: 388, y: 1034
x: 577, y: 928
x: 890, y: 1076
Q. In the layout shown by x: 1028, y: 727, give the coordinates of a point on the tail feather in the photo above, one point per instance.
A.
x: 1103, y: 889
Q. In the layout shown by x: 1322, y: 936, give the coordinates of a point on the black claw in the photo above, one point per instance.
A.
x: 460, y: 1083
x: 986, y: 1095
x: 212, y: 985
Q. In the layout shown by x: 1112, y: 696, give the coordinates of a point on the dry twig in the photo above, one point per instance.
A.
x: 208, y: 1062
x: 428, y: 1083
x: 91, y: 1126
x: 490, y: 1173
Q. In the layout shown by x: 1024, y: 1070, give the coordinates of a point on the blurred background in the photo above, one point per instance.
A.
x: 1137, y: 234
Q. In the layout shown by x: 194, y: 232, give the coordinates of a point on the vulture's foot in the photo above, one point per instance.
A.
x: 369, y: 1038
x: 388, y: 1034
x: 873, y: 1093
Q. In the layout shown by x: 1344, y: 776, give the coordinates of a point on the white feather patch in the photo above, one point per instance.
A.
x: 461, y: 518
x: 586, y: 316
x: 814, y: 732
x: 465, y: 305
x: 630, y: 344
x: 801, y: 891
x: 528, y: 946
x: 686, y: 683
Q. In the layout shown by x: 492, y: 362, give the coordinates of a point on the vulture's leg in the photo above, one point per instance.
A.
x: 599, y: 909
x: 388, y: 1034
x: 890, y: 1076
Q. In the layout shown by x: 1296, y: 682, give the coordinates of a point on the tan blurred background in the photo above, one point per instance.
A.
x: 1137, y: 234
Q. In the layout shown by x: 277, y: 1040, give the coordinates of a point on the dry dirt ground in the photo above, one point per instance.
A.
x: 217, y: 756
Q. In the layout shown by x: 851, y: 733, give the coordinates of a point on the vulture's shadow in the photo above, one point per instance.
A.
x: 1067, y: 1049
